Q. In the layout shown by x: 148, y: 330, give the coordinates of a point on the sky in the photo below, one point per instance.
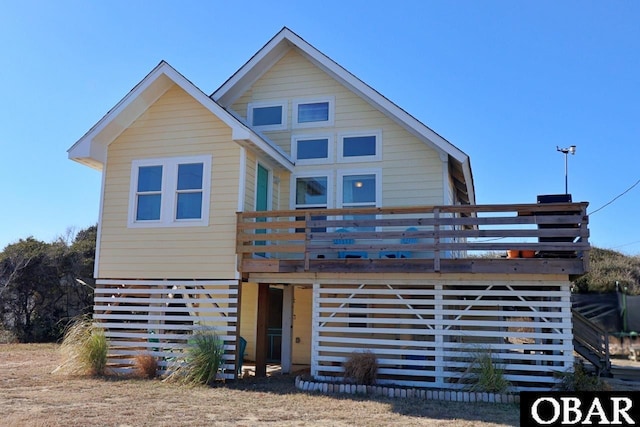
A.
x: 507, y: 82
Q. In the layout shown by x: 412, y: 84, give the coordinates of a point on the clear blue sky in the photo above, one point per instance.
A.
x: 505, y: 81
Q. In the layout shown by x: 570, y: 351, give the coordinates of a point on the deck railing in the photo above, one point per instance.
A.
x: 549, y: 238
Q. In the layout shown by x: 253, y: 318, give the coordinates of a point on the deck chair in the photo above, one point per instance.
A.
x: 408, y: 241
x: 403, y: 241
x: 346, y: 242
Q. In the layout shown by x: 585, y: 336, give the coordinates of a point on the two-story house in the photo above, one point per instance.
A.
x: 298, y: 208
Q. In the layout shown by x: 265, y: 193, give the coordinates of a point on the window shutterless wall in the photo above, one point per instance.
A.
x: 170, y: 192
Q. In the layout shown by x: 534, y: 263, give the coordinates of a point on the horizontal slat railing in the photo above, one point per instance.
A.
x: 592, y: 342
x: 441, y: 328
x: 320, y: 236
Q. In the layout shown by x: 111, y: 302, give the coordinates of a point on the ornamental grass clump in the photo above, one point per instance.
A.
x: 84, y: 348
x: 201, y: 362
x: 145, y: 366
x: 580, y: 380
x: 361, y: 368
x: 485, y: 375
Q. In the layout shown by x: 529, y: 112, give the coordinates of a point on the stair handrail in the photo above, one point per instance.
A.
x: 594, y: 338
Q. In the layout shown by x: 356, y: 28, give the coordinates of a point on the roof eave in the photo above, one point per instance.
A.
x: 275, y: 48
x: 92, y: 147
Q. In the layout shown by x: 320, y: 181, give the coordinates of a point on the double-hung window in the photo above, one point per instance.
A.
x: 360, y: 146
x: 269, y: 115
x: 311, y: 149
x: 170, y: 192
x: 359, y: 189
x: 315, y: 112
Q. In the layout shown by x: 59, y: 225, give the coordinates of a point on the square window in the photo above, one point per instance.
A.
x: 149, y: 178
x: 148, y: 208
x: 358, y: 189
x: 189, y: 206
x: 190, y: 176
x: 311, y: 191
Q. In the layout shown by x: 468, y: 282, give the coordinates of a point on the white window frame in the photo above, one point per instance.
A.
x: 331, y: 113
x: 375, y: 158
x: 169, y: 192
x: 263, y: 104
x: 318, y: 161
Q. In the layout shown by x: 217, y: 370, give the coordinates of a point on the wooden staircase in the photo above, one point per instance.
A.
x: 592, y: 343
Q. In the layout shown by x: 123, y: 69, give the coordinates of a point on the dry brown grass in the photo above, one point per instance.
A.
x: 146, y: 366
x: 31, y: 395
x: 361, y: 368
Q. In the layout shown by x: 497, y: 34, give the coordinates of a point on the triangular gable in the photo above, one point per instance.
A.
x: 282, y: 42
x: 91, y: 149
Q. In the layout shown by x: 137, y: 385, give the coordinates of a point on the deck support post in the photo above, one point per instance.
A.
x: 438, y: 338
x: 287, y: 325
x: 262, y: 324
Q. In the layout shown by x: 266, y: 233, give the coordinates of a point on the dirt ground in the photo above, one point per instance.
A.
x: 30, y: 395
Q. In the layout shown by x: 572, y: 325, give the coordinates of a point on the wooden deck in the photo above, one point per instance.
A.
x: 551, y: 239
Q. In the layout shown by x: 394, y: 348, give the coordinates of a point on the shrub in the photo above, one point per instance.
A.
x: 580, y: 380
x: 146, y: 366
x: 7, y: 337
x: 361, y: 368
x: 84, y: 348
x: 608, y: 267
x: 484, y: 375
x: 202, y: 360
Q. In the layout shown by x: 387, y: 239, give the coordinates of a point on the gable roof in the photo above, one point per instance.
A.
x: 285, y: 40
x: 91, y: 149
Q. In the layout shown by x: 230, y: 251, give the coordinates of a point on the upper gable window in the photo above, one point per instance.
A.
x: 267, y: 115
x: 360, y: 147
x: 311, y: 149
x: 170, y: 192
x: 313, y: 112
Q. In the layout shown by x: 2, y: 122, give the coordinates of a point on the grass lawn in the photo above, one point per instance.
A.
x: 30, y: 395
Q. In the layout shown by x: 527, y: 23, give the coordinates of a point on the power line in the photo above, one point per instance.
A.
x: 615, y: 198
x: 626, y: 244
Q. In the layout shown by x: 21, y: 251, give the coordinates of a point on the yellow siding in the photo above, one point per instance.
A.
x: 280, y: 184
x: 412, y: 171
x: 250, y: 182
x: 301, y: 351
x: 281, y: 189
x: 176, y: 125
x: 249, y: 313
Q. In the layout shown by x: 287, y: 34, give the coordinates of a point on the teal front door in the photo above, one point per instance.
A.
x: 262, y: 200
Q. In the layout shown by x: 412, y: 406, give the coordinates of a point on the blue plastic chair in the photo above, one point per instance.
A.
x: 403, y: 241
x: 408, y: 241
x: 346, y: 242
